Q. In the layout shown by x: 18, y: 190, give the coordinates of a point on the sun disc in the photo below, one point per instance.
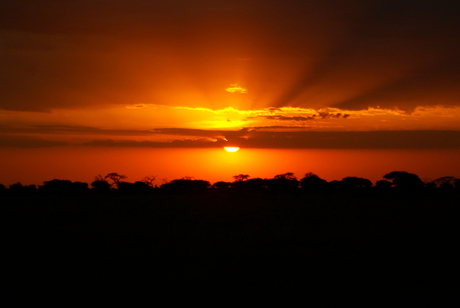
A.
x: 231, y: 149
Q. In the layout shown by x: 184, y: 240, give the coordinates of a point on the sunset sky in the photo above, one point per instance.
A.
x: 357, y: 74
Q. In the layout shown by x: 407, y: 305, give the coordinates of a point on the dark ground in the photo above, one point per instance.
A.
x: 383, y: 243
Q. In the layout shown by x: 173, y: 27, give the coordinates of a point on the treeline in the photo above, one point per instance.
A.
x: 394, y: 237
x: 283, y: 183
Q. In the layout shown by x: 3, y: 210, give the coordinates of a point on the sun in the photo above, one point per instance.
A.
x: 231, y: 149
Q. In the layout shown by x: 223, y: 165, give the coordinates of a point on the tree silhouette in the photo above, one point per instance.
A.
x: 241, y: 177
x: 115, y: 178
x: 99, y: 178
x: 404, y: 180
x: 149, y: 180
x: 289, y: 176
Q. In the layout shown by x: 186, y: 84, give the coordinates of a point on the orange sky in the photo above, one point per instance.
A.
x: 262, y: 74
x: 35, y: 165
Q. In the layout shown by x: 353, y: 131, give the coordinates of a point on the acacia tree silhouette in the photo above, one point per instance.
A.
x: 115, y: 178
x: 285, y: 182
x: 241, y: 177
x: 286, y: 176
x: 149, y: 180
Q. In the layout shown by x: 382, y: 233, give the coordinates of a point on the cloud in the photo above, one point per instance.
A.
x: 328, y: 115
x: 284, y: 118
x: 321, y: 114
x: 277, y: 136
x: 189, y: 143
x: 139, y: 106
x: 309, y: 140
x: 235, y: 88
x: 28, y: 142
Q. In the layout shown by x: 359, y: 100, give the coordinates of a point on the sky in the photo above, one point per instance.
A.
x: 357, y: 74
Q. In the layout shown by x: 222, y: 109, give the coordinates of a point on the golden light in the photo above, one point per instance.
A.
x: 235, y: 88
x: 231, y: 149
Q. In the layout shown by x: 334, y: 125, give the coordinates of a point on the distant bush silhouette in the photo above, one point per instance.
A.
x: 18, y: 188
x: 222, y: 186
x: 134, y: 188
x: 64, y: 186
x: 404, y: 180
x: 100, y: 184
x: 352, y: 182
x: 250, y: 185
x: 186, y: 185
x: 446, y: 182
x: 256, y: 184
x: 312, y: 182
x: 334, y: 185
x: 280, y: 183
x: 383, y: 184
x: 457, y: 183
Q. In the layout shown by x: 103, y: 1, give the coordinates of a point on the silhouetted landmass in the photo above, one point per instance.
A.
x: 396, y: 238
x: 281, y: 183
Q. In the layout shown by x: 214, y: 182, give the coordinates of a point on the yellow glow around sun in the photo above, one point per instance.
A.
x: 231, y: 149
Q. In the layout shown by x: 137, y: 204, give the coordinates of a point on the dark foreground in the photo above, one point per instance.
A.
x: 382, y: 243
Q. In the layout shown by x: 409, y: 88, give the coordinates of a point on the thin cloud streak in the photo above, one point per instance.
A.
x: 267, y: 138
x: 311, y: 140
x: 28, y: 142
